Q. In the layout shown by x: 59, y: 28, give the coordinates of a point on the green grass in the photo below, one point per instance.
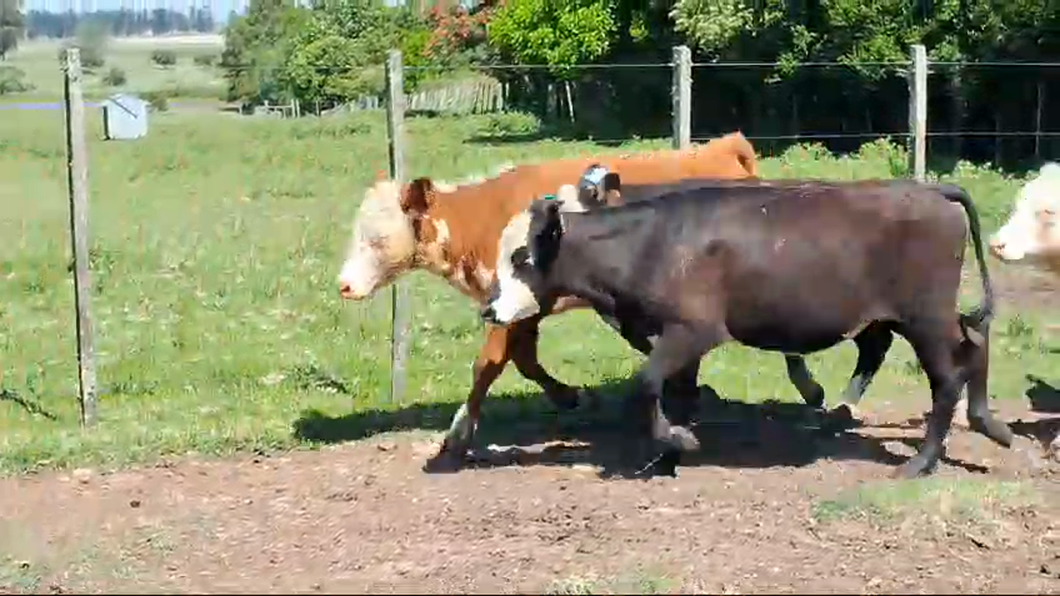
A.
x: 39, y: 60
x: 942, y: 502
x: 215, y: 245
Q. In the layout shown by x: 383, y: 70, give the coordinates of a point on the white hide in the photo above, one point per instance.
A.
x: 1031, y: 231
x: 381, y: 241
x: 515, y: 300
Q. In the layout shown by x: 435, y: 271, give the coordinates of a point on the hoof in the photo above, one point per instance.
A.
x: 842, y: 417
x: 447, y: 461
x: 993, y: 429
x: 683, y: 440
x: 913, y: 468
x: 1054, y: 449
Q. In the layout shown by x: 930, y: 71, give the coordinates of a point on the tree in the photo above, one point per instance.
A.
x: 557, y: 33
x: 256, y: 47
x: 12, y: 26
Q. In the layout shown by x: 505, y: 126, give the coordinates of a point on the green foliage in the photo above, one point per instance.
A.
x: 256, y: 46
x: 12, y: 24
x: 204, y: 60
x: 115, y: 77
x: 558, y: 33
x: 157, y: 100
x: 13, y: 80
x: 164, y: 58
x: 330, y: 54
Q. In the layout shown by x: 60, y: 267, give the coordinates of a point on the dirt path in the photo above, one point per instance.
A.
x: 364, y: 518
x: 771, y: 505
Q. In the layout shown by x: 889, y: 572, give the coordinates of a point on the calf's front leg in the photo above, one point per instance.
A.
x: 676, y: 348
x: 488, y: 366
x: 522, y: 338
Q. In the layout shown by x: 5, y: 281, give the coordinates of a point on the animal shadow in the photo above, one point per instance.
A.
x: 523, y: 429
x: 31, y: 407
x: 1044, y: 398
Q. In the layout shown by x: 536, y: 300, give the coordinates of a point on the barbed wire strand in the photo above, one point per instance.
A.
x: 660, y: 65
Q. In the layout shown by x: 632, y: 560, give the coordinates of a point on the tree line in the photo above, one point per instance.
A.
x: 119, y: 23
x: 333, y: 51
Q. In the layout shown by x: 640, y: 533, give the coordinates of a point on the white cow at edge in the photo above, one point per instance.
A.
x: 1032, y: 233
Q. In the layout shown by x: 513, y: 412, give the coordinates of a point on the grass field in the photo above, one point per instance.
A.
x: 215, y: 245
x: 39, y: 60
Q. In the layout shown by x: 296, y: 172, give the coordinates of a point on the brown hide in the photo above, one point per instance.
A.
x: 476, y: 214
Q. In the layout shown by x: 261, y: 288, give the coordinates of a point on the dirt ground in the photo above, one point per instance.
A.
x: 769, y: 506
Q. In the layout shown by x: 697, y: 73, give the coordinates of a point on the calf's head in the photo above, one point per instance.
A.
x: 387, y: 236
x: 1032, y: 232
x: 526, y: 252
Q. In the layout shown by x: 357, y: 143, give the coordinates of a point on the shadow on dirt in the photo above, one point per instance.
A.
x: 1044, y: 398
x: 732, y: 433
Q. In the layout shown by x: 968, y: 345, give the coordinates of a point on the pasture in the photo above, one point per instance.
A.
x: 185, y: 79
x: 246, y: 442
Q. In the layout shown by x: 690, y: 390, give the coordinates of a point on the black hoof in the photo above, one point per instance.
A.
x: 447, y: 461
x: 992, y: 428
x: 915, y: 467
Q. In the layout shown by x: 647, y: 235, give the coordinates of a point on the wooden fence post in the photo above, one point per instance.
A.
x: 681, y: 92
x: 77, y: 180
x: 918, y: 112
x: 399, y: 295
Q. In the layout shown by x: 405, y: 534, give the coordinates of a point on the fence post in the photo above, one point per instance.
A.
x: 399, y: 295
x: 77, y: 181
x: 918, y: 112
x: 681, y: 92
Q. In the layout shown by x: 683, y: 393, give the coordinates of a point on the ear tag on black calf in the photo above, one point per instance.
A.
x: 594, y: 176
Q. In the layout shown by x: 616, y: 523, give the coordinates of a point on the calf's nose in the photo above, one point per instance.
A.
x: 488, y: 314
x: 345, y: 290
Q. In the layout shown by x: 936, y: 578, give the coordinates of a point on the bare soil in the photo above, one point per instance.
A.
x: 771, y: 505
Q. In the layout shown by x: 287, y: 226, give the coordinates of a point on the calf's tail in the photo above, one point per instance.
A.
x: 981, y: 315
x: 745, y: 153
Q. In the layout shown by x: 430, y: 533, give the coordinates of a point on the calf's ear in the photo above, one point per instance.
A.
x: 544, y: 233
x: 417, y: 196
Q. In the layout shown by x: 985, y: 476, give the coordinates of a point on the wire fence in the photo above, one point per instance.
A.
x: 986, y: 111
x: 838, y: 104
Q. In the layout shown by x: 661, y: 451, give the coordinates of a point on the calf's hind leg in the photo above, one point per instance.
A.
x: 935, y: 349
x: 975, y: 358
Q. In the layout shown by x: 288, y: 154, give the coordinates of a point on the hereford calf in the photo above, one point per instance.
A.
x: 788, y: 267
x: 1032, y: 233
x: 452, y: 231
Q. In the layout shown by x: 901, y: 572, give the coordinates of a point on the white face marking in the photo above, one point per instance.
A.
x: 1031, y: 231
x: 515, y: 301
x: 382, y: 241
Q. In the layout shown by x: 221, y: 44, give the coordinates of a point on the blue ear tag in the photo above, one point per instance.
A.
x: 595, y: 176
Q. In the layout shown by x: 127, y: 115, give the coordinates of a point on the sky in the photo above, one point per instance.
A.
x: 220, y: 8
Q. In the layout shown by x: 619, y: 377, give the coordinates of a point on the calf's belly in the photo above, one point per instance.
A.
x: 789, y: 337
